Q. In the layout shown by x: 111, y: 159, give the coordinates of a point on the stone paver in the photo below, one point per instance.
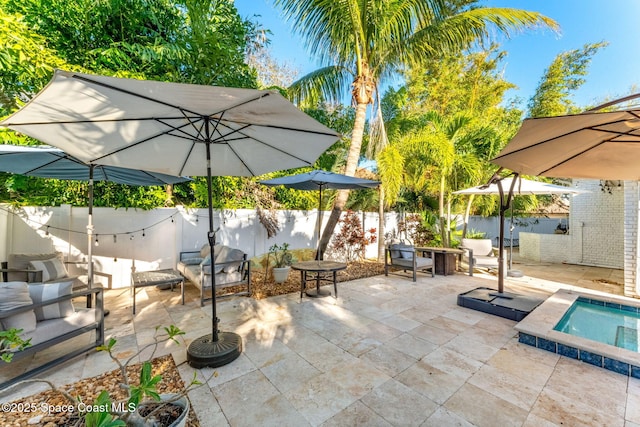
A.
x: 389, y: 352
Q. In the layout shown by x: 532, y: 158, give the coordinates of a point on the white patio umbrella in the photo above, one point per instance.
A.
x: 176, y: 129
x: 522, y: 187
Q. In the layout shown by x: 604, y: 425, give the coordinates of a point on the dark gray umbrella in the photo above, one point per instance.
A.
x: 178, y: 129
x: 50, y: 162
x: 321, y: 180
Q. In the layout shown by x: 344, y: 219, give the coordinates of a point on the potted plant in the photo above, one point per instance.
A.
x: 282, y: 262
x: 144, y: 405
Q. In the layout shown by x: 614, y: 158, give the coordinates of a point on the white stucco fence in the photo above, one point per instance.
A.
x: 603, y: 231
x: 148, y: 240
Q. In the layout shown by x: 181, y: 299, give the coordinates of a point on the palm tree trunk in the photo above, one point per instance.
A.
x: 466, y: 216
x: 381, y: 241
x: 443, y: 230
x: 350, y: 170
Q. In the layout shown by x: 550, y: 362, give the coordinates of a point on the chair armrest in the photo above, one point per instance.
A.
x: 34, y: 276
x: 29, y: 307
x: 468, y: 252
x: 189, y: 254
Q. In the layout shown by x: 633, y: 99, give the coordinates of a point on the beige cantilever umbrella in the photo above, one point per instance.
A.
x: 176, y: 129
x: 592, y: 145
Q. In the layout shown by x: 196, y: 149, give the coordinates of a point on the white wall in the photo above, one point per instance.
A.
x: 597, y: 225
x: 167, y: 232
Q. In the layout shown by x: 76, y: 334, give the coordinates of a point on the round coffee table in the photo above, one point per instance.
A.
x: 318, y: 271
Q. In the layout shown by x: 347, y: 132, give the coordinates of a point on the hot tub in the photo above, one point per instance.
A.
x: 599, y: 329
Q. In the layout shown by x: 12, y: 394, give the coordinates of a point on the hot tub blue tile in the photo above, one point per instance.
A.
x: 616, y: 366
x: 612, y: 305
x: 635, y: 371
x: 567, y: 351
x: 591, y: 358
x: 547, y: 345
x: 596, y: 302
x: 527, y: 339
x: 629, y: 308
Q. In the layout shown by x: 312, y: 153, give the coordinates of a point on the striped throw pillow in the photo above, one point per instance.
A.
x: 52, y: 269
x: 14, y: 295
x: 48, y: 291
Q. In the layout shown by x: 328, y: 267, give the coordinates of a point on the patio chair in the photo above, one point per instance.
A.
x: 404, y: 257
x: 480, y: 253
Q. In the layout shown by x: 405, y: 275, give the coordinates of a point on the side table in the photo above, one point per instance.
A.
x: 318, y: 271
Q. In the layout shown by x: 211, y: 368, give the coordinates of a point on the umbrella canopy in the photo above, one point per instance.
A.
x: 176, y: 129
x: 524, y: 187
x: 513, y: 186
x: 589, y: 145
x: 50, y: 162
x: 168, y: 127
x: 319, y: 180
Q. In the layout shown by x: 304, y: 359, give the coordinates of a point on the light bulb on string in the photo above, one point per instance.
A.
x: 143, y: 233
x: 97, y: 242
x: 131, y: 237
x: 115, y: 238
x: 47, y: 232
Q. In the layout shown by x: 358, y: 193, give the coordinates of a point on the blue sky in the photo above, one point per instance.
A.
x: 613, y: 73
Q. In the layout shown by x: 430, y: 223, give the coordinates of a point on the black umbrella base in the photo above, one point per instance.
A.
x: 203, y: 352
x: 506, y: 304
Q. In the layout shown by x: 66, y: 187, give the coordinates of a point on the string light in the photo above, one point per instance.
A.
x: 143, y: 233
x: 47, y: 232
x: 97, y: 242
x: 115, y: 238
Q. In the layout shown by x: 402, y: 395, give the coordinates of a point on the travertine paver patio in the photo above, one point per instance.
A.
x: 388, y: 352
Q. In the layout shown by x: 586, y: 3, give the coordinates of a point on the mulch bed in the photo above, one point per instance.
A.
x: 264, y: 289
x: 88, y: 389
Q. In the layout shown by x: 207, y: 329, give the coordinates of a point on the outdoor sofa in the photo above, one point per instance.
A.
x: 47, y: 317
x: 38, y: 268
x: 231, y: 267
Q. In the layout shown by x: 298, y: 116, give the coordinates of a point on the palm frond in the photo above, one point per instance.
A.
x: 328, y: 83
x: 391, y: 169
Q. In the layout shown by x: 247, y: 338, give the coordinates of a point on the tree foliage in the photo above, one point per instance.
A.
x: 360, y: 44
x: 565, y: 75
x: 195, y: 41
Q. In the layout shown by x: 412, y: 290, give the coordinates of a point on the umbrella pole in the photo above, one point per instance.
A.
x: 90, y: 237
x: 319, y: 227
x: 218, y: 348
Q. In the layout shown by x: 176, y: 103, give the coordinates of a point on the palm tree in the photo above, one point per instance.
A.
x: 365, y: 41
